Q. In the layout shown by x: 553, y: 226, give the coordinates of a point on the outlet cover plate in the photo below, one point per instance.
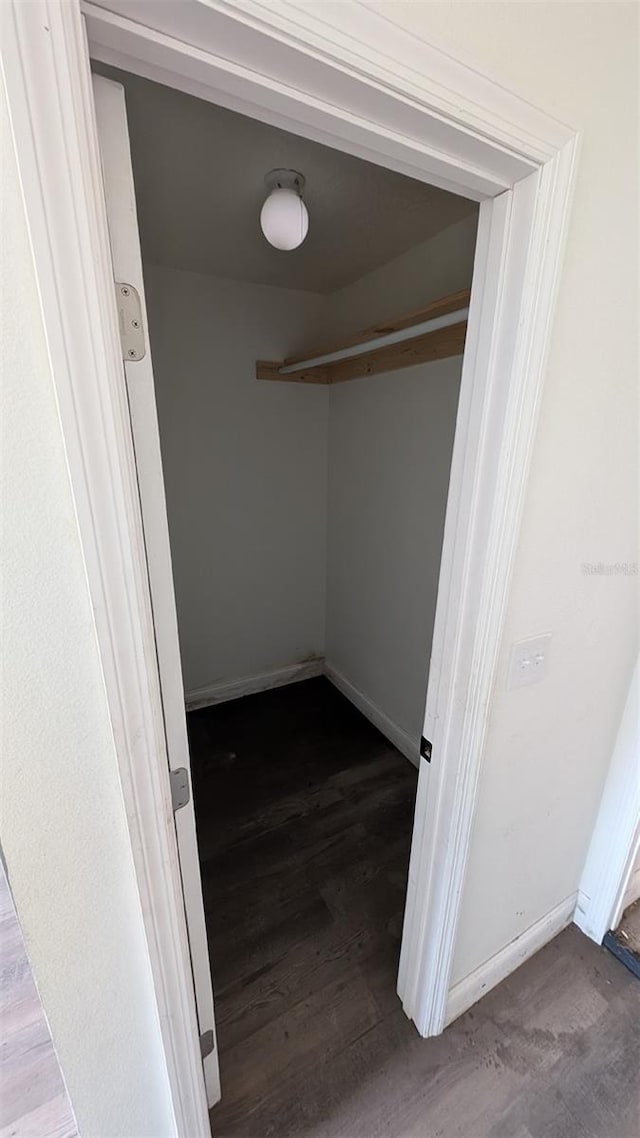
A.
x: 529, y: 661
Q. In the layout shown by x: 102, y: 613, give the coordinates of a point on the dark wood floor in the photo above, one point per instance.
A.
x: 304, y: 816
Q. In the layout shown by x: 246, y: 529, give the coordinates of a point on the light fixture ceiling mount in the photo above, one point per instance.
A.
x: 284, y: 218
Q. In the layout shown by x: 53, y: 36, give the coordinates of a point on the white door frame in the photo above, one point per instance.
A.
x: 615, y: 842
x: 411, y: 108
x: 124, y: 242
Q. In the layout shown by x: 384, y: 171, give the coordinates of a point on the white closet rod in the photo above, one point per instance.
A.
x: 410, y: 333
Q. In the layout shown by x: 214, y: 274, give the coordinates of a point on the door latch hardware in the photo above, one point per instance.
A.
x: 206, y: 1043
x: 180, y: 789
x: 130, y: 320
x: 425, y: 748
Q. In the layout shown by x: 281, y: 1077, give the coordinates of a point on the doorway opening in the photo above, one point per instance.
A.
x: 306, y: 522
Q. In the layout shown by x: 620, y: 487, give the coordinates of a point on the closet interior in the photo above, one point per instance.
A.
x: 306, y: 402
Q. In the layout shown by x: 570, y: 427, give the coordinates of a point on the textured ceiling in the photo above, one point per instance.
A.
x: 199, y: 174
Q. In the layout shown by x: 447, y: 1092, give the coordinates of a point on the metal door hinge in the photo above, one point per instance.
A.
x: 206, y: 1043
x: 130, y: 320
x: 425, y: 748
x: 180, y: 789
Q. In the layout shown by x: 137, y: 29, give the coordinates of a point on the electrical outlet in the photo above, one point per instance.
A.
x: 528, y: 663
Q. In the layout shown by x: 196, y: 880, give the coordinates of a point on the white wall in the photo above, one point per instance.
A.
x: 390, y: 443
x: 432, y: 269
x: 390, y: 452
x: 549, y: 745
x: 249, y: 467
x: 63, y: 824
x: 245, y: 473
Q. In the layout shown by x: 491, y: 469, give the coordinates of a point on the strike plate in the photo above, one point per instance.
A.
x: 206, y: 1043
x: 130, y: 320
x: 180, y: 791
x: 425, y: 749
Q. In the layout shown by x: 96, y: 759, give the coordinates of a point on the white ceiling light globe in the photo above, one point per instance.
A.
x: 284, y: 218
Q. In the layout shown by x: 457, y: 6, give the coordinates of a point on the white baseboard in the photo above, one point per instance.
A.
x: 248, y: 685
x: 407, y: 746
x: 581, y: 915
x: 226, y: 690
x: 467, y: 992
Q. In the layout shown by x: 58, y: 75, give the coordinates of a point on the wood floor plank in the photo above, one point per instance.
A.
x: 33, y: 1100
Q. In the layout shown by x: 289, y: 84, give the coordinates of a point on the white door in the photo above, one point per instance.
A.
x: 127, y: 265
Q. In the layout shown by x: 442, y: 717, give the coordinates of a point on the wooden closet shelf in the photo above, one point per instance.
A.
x: 388, y: 346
